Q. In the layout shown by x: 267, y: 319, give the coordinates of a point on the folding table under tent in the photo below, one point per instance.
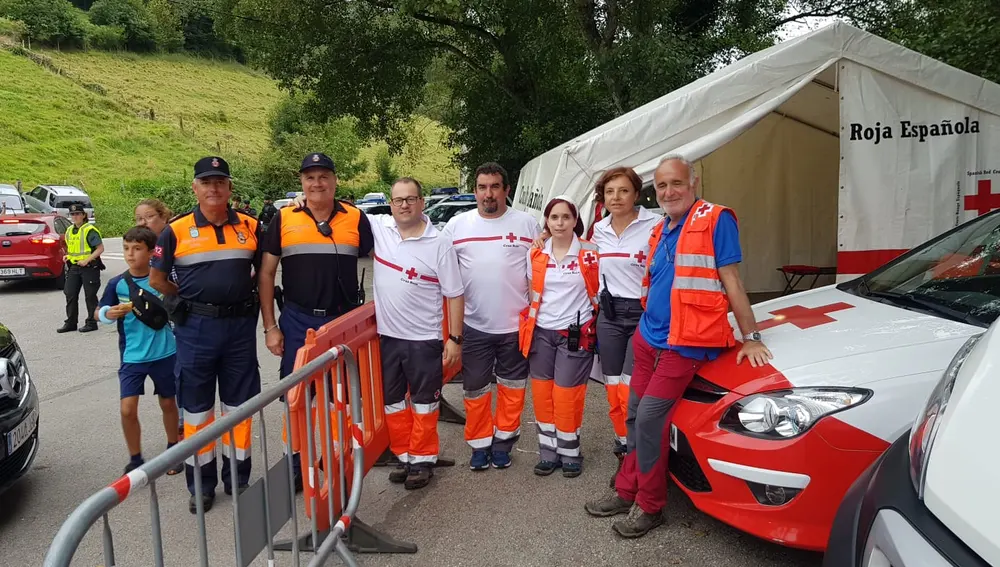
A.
x: 835, y: 148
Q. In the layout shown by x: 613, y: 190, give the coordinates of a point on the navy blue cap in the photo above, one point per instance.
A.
x: 317, y: 160
x: 76, y: 208
x: 211, y: 166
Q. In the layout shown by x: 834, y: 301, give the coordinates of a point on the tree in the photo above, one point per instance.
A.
x: 130, y: 15
x: 166, y: 25
x: 522, y: 77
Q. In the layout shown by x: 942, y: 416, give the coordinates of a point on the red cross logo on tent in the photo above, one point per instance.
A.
x: 803, y: 317
x: 641, y: 257
x: 412, y: 273
x: 985, y: 200
x: 572, y: 265
x: 703, y: 210
x: 511, y: 237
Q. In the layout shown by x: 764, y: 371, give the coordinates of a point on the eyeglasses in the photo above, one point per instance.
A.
x: 398, y: 201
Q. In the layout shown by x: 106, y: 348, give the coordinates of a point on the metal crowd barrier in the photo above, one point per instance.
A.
x: 272, y: 496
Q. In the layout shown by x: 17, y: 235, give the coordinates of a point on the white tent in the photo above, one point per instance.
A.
x: 835, y: 148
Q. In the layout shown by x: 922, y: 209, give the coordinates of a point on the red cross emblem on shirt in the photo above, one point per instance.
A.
x: 803, y: 317
x: 701, y: 211
x: 411, y: 273
x: 511, y: 237
x: 985, y: 200
x: 572, y: 265
x: 641, y: 257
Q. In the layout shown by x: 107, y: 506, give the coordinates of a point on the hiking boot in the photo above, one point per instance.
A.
x: 608, y: 506
x: 637, y: 523
x: 501, y: 459
x: 419, y: 477
x: 572, y: 470
x: 66, y: 328
x: 545, y: 468
x: 399, y: 475
x: 480, y: 460
x: 206, y: 501
x: 88, y: 328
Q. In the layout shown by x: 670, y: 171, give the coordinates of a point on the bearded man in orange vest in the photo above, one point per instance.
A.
x: 691, y: 282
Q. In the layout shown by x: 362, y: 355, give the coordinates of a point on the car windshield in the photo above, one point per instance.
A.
x: 444, y: 211
x: 12, y: 202
x: 20, y: 228
x: 956, y: 277
x: 65, y: 202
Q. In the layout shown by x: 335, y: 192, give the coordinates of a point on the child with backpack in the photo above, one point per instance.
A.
x: 145, y: 341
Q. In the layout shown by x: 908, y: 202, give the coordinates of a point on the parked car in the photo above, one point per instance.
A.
x: 444, y: 191
x: 377, y: 198
x: 33, y: 205
x: 10, y: 200
x: 32, y: 246
x: 377, y: 209
x: 18, y: 412
x: 60, y: 197
x: 772, y: 450
x: 931, y: 499
x: 443, y: 212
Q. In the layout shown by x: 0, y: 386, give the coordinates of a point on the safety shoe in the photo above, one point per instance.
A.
x: 206, y: 501
x: 608, y: 506
x: 501, y: 459
x: 572, y: 470
x: 66, y: 328
x: 637, y: 523
x: 480, y: 460
x: 545, y: 468
x: 399, y: 475
x: 418, y: 477
x: 88, y: 328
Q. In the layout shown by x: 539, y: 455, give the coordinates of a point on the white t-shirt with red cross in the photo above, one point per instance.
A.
x: 624, y: 258
x: 412, y: 277
x: 564, y: 297
x: 492, y: 256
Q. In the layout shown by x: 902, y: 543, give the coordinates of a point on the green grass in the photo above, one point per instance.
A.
x: 55, y: 131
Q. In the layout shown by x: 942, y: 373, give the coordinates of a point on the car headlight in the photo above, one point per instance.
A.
x: 784, y: 414
x: 925, y: 426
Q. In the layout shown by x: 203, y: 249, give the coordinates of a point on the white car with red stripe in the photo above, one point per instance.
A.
x: 772, y: 450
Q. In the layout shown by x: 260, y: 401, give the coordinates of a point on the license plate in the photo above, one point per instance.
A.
x: 673, y: 436
x: 11, y: 271
x: 22, y: 432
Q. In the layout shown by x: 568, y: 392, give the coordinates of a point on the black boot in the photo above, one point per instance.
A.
x: 399, y: 475
x: 67, y: 327
x: 419, y: 477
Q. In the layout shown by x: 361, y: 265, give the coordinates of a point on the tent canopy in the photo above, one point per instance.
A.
x: 767, y: 135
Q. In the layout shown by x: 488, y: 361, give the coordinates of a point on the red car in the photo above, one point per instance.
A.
x: 32, y: 246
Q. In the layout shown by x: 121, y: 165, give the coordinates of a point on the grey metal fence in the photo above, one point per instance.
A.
x: 278, y: 504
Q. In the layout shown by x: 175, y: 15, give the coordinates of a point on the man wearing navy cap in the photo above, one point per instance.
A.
x: 214, y: 252
x: 318, y: 243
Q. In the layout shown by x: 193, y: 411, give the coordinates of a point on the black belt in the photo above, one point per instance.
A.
x: 314, y: 312
x: 244, y: 309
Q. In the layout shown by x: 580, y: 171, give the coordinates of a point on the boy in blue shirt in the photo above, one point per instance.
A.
x: 145, y: 351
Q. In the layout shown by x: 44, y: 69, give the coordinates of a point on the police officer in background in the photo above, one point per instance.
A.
x: 318, y: 244
x: 213, y: 251
x: 83, y: 269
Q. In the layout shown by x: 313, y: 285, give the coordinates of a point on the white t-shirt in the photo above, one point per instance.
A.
x: 411, y: 278
x: 623, y: 259
x: 492, y: 257
x: 565, y: 293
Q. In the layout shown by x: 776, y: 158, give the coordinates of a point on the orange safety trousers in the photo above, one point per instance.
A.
x: 558, y: 390
x: 412, y: 376
x: 487, y: 359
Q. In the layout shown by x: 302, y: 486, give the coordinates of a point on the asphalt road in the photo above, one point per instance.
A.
x: 494, y: 518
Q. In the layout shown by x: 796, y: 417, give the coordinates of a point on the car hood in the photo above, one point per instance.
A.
x: 827, y: 337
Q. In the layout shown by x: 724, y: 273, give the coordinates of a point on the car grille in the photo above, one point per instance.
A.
x: 7, y: 403
x: 703, y: 391
x: 13, y: 464
x: 684, y: 466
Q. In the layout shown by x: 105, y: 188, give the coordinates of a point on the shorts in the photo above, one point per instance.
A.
x: 132, y: 377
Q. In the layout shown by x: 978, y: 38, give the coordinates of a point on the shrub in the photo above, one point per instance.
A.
x: 13, y: 29
x: 50, y: 22
x: 132, y: 16
x: 107, y: 38
x: 383, y: 166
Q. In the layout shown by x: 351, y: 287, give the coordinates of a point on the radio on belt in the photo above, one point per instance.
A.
x: 573, y: 335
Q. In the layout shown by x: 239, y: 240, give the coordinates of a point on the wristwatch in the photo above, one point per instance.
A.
x: 754, y: 336
x: 457, y: 339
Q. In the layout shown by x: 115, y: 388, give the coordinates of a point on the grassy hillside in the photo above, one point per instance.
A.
x: 93, y: 127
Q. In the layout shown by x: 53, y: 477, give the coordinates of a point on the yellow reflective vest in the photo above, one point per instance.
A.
x: 77, y: 247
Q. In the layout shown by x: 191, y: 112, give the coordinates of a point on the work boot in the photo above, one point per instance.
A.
x: 572, y: 470
x: 545, y: 468
x: 637, y: 523
x: 206, y: 501
x: 88, y: 328
x: 419, y: 477
x: 67, y: 327
x: 399, y: 475
x: 608, y: 506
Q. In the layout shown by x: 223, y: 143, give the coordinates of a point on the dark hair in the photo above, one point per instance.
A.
x: 141, y: 234
x: 492, y: 168
x: 612, y: 173
x: 578, y: 229
x: 408, y: 179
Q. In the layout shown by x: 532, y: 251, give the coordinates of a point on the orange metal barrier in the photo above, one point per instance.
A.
x: 356, y: 330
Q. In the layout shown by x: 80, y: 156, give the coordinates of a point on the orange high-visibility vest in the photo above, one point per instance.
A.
x: 699, y: 306
x: 589, y: 269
